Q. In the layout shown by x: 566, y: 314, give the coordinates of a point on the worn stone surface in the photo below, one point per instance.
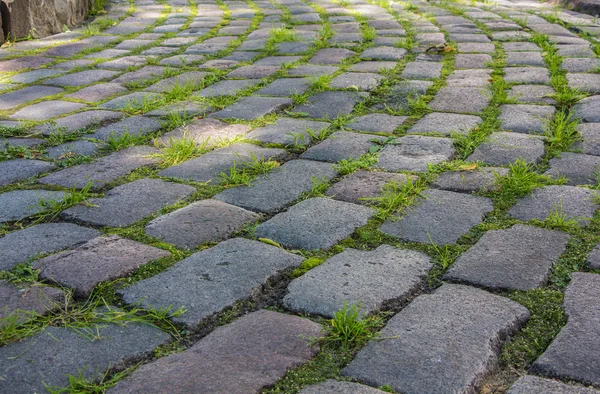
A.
x: 209, y: 132
x: 445, y: 342
x: 19, y: 204
x: 532, y: 384
x: 82, y: 78
x: 399, y: 95
x: 213, y: 279
x: 525, y: 118
x: 316, y: 223
x: 227, y: 87
x: 374, y: 279
x: 22, y: 303
x: 331, y: 56
x: 249, y: 108
x: 588, y: 109
x: 342, y: 145
x: 357, y: 81
x: 438, y: 122
x: 98, y: 92
x: 532, y: 94
x: 422, y: 70
x: 46, y: 110
x: 503, y: 148
x: 578, y: 169
x: 361, y: 186
x: 414, y: 153
x: 590, y: 139
x: 78, y: 122
x: 330, y: 104
x: 335, y: 387
x: 480, y: 179
x: 460, y: 99
x: 19, y: 169
x: 285, y: 87
x: 529, y: 75
x: 288, y: 131
x: 377, y: 123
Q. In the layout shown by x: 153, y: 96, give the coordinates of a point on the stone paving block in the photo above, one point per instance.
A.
x: 356, y: 81
x: 209, y: 132
x: 242, y: 357
x: 524, y: 59
x: 189, y: 79
x: 422, y: 70
x: 574, y: 51
x: 521, y: 47
x: 572, y: 355
x: 583, y: 65
x: 19, y: 169
x: 585, y: 82
x: 334, y: 387
x: 98, y: 92
x: 372, y: 66
x: 248, y: 108
x: 310, y: 70
x: 330, y: 104
x: 183, y: 109
x: 288, y: 131
x: 511, y: 36
x: 82, y: 78
x: 415, y: 152
x: 134, y: 43
x: 179, y: 60
x: 285, y: 87
x: 503, y: 148
x: 377, y: 123
x: 129, y: 203
x: 441, y: 217
x: 276, y: 60
x: 331, y: 56
x: 361, y: 186
x: 51, y: 355
x: 104, y: 170
x: 460, y: 325
x: 444, y: 123
x: 46, y: 110
x: 590, y: 139
x: 135, y: 100
x: 123, y: 63
x: 532, y: 384
x: 577, y: 168
x: 24, y: 62
x: 200, y: 222
x: 141, y: 75
x: 517, y: 258
x: 316, y: 223
x: 19, y: 246
x: 253, y: 72
x: 209, y: 281
x: 462, y: 37
x: 383, y: 53
x: 481, y: 179
x: 207, y: 167
x: 521, y: 118
x: 431, y: 38
x: 342, y: 145
x: 474, y: 47
x: 15, y: 141
x: 472, y: 61
x: 374, y: 279
x: 399, y: 96
x: 574, y: 202
x: 227, y: 87
x: 32, y: 76
x: 528, y: 75
x: 79, y: 121
x: 293, y: 47
x: 593, y: 260
x: 24, y: 303
x: 134, y: 125
x: 19, y: 204
x: 587, y: 109
x: 280, y: 187
x: 460, y: 99
x: 532, y: 94
x: 478, y: 78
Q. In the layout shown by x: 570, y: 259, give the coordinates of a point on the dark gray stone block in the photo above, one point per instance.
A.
x: 438, y: 122
x: 134, y: 125
x: 525, y: 118
x: 227, y: 87
x: 19, y: 169
x: 532, y: 384
x: 253, y: 107
x: 82, y: 78
x: 284, y: 87
x: 460, y: 99
x: 415, y: 152
x: 472, y: 61
x: 361, y: 186
x: 135, y: 100
x: 503, y: 148
x: 288, y: 131
x: 383, y: 53
x: 253, y: 72
x: 398, y: 98
x: 342, y: 145
x: 46, y: 110
x: 481, y: 179
x: 141, y: 75
x: 331, y: 56
x: 532, y: 94
x: 356, y: 81
x: 593, y: 259
x: 18, y: 97
x: 24, y: 303
x: 334, y: 387
x: 79, y: 121
x: 330, y: 104
x: 590, y: 139
x: 377, y: 123
x: 98, y: 92
x: 422, y: 70
x: 19, y: 204
x: 578, y: 169
x: 588, y: 109
x: 529, y: 75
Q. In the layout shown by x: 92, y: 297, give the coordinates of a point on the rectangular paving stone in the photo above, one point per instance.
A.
x: 310, y: 70
x: 192, y: 79
x: 331, y: 386
x: 330, y: 104
x: 123, y: 63
x: 503, y: 148
x: 82, y: 78
x: 521, y: 118
x: 32, y: 76
x: 372, y: 66
x: 532, y: 384
x: 46, y: 110
x: 588, y: 109
x: 585, y: 82
x: 529, y: 75
x: 441, y: 217
x: 316, y: 223
x: 415, y: 152
x: 374, y: 279
x: 133, y: 125
x: 445, y: 342
x: 288, y: 131
x: 383, y: 53
x: 135, y: 101
x: 583, y: 65
x: 474, y: 47
x: 361, y: 187
x: 377, y: 123
x: 472, y: 61
x: 532, y: 94
x: 444, y: 123
x: 19, y: 169
x: 577, y: 168
x: 276, y: 60
x: 129, y: 203
x: 98, y: 260
x: 590, y: 139
x: 227, y: 87
x: 331, y: 56
x: 253, y: 72
x: 480, y: 179
x: 460, y: 99
x: 524, y: 59
x: 141, y: 75
x: 342, y: 145
x: 104, y: 170
x: 248, y: 108
x: 517, y: 258
x: 474, y: 78
x: 356, y: 81
x: 209, y: 281
x: 98, y: 92
x: 422, y: 70
x: 208, y: 132
x: 79, y: 121
x: 25, y: 302
x: 242, y: 357
x: 19, y: 204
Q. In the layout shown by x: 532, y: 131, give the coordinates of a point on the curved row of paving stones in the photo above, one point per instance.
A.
x: 444, y: 341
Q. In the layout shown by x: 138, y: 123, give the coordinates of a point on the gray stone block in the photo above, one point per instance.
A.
x: 19, y: 169
x: 24, y: 303
x: 588, y: 109
x: 590, y: 139
x: 79, y: 121
x: 330, y: 104
x: 19, y: 204
x: 18, y: 97
x: 524, y: 59
x: 593, y: 260
x: 383, y: 53
x: 143, y: 74
x: 342, y: 145
x: 525, y: 118
x: 98, y: 92
x: 532, y: 94
x: 583, y: 65
x: 529, y: 75
x: 481, y: 179
x: 331, y: 56
x: 398, y: 97
x: 253, y: 72
x: 46, y: 110
x: 284, y: 87
x: 529, y: 384
x: 361, y: 187
x: 472, y: 61
x: 478, y: 78
x: 135, y: 100
x: 191, y: 79
x: 335, y: 387
x: 415, y: 152
x: 422, y: 70
x: 460, y: 99
x: 82, y: 78
x: 356, y: 81
x: 253, y: 107
x: 377, y: 123
x: 585, y: 82
x: 134, y: 126
x: 503, y: 148
x: 577, y: 168
x: 372, y: 66
x: 438, y: 122
x: 311, y: 70
x: 227, y: 87
x: 288, y: 131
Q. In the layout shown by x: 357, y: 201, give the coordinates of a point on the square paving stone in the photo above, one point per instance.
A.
x: 331, y: 56
x: 481, y: 179
x: 209, y: 281
x: 532, y: 94
x: 24, y: 303
x: 529, y: 75
x: 585, y: 82
x: 104, y: 170
x: 253, y: 72
x: 330, y: 104
x: 524, y: 59
x: 573, y: 202
x: 316, y: 223
x: 377, y: 123
x: 227, y: 87
x: 572, y: 355
x: 503, y: 148
x: 588, y: 109
x: 200, y: 222
x: 373, y: 279
x: 415, y: 152
x: 577, y: 168
x: 532, y: 384
x: 444, y: 123
x: 46, y: 110
x: 310, y: 70
x: 280, y: 187
x: 525, y: 118
x: 79, y: 121
x: 260, y: 347
x: 191, y: 79
x: 98, y: 92
x: 383, y: 53
x: 460, y: 99
x: 356, y: 81
x: 441, y: 217
x: 253, y: 107
x: 98, y: 260
x: 288, y: 131
x: 422, y: 70
x: 458, y: 324
x: 285, y: 87
x: 583, y: 65
x: 209, y: 166
x: 361, y: 186
x: 134, y: 125
x: 135, y: 100
x: 82, y: 78
x: 342, y: 145
x: 472, y: 61
x: 16, y: 170
x: 590, y: 139
x: 129, y: 203
x: 19, y: 246
x: 47, y: 358
x: 518, y: 258
x: 19, y: 204
x: 141, y: 75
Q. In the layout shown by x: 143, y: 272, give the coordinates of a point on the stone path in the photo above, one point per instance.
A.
x: 190, y: 192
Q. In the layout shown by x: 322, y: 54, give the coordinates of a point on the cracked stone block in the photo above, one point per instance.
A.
x: 585, y: 82
x: 460, y: 99
x: 316, y: 223
x: 532, y: 94
x: 573, y: 202
x: 98, y: 260
x: 331, y: 56
x: 441, y: 217
x: 356, y: 81
x: 524, y: 59
x: 374, y: 279
x: 422, y: 70
x: 25, y: 303
x: 285, y: 87
x: 517, y: 258
x: 104, y: 170
x: 588, y: 109
x: 503, y: 148
x: 361, y: 186
x: 330, y: 104
x: 82, y: 78
x: 46, y: 110
x: 48, y: 357
x: 521, y: 118
x: 481, y: 179
x: 532, y: 384
x: 209, y: 132
x: 207, y: 167
x: 134, y: 125
x: 19, y: 246
x: 334, y: 387
x: 407, y: 357
x: 472, y: 61
x: 590, y: 139
x: 19, y: 204
x: 98, y: 92
x: 280, y: 187
x: 415, y: 152
x: 209, y: 281
x: 444, y: 123
x: 377, y: 123
x: 572, y: 355
x: 253, y: 107
x: 135, y: 100
x: 288, y: 131
x: 79, y: 121
x: 577, y: 168
x: 383, y: 53
x: 342, y: 145
x: 19, y: 169
x: 247, y: 355
x: 253, y: 72
x: 129, y: 203
x: 528, y: 75
x: 189, y: 79
x: 227, y: 87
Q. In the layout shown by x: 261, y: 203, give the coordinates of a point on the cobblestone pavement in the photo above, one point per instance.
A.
x: 201, y: 196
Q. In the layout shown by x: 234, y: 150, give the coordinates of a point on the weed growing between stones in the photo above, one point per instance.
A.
x: 350, y: 329
x: 80, y: 384
x: 345, y: 167
x: 52, y: 208
x: 246, y: 171
x: 117, y: 142
x: 396, y: 197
